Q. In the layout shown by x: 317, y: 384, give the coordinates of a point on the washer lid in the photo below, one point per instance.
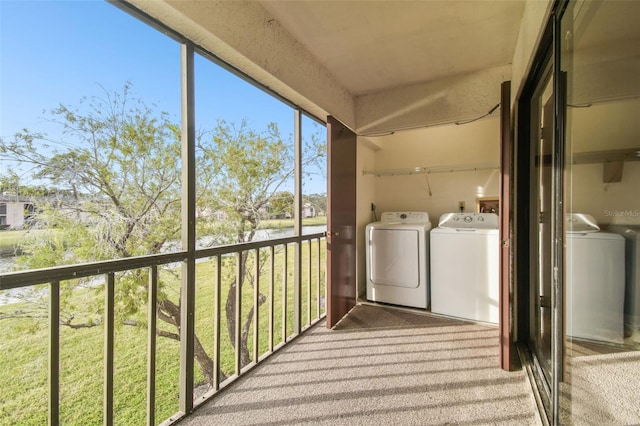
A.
x: 469, y: 220
x: 580, y: 223
x: 404, y: 217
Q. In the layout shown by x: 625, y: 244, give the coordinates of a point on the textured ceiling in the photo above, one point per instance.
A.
x: 372, y: 46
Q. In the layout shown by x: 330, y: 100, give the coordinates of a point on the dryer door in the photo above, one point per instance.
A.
x: 395, y: 257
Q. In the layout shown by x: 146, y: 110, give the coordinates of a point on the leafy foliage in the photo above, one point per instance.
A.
x: 119, y: 171
x: 244, y: 169
x: 117, y: 175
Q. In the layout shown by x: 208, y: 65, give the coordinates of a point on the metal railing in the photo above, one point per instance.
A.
x: 299, y: 286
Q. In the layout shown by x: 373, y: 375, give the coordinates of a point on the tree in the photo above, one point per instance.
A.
x: 10, y: 183
x: 119, y: 168
x: 281, y: 205
x: 247, y: 172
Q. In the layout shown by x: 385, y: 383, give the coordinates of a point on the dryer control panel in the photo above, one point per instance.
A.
x: 469, y: 220
x: 404, y: 217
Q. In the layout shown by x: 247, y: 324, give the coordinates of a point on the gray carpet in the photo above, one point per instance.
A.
x: 379, y: 366
x: 602, y: 389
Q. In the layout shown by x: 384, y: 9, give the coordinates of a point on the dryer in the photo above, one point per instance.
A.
x: 465, y: 266
x: 397, y: 258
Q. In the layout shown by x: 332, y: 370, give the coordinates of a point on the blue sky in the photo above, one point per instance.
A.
x: 59, y: 51
x: 54, y: 52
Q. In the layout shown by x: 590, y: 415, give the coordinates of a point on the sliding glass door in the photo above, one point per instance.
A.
x: 579, y: 207
x: 600, y: 54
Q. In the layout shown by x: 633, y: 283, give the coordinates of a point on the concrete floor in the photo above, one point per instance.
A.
x: 379, y: 366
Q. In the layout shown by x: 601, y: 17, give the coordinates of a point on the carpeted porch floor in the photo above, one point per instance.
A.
x: 379, y: 366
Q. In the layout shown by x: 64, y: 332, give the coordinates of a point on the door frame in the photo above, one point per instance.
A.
x: 508, y: 357
x: 547, y: 49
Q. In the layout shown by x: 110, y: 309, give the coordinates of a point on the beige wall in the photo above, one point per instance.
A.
x: 443, y: 101
x: 608, y: 203
x: 365, y: 195
x: 464, y: 146
x: 15, y: 213
x: 602, y: 127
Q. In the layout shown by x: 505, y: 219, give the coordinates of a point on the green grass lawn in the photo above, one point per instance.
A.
x: 9, y: 240
x: 288, y: 223
x: 24, y: 347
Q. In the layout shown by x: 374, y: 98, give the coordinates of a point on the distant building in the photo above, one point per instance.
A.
x: 15, y: 211
x: 308, y: 210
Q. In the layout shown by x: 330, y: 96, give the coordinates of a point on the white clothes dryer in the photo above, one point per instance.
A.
x: 595, y: 281
x: 465, y: 266
x: 397, y: 257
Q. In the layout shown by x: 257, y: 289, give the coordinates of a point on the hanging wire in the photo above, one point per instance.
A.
x: 478, y: 118
x: 424, y: 126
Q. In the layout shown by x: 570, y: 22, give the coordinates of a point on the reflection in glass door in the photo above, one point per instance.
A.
x: 581, y: 126
x: 600, y: 54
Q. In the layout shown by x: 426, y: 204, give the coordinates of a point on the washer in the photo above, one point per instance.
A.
x: 397, y: 251
x: 465, y: 266
x: 595, y: 281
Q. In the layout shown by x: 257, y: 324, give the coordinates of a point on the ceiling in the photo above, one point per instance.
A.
x: 375, y: 46
x: 382, y: 66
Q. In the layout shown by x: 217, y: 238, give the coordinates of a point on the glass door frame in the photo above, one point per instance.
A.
x: 548, y: 51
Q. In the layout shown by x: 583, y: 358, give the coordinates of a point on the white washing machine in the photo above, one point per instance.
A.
x: 465, y: 266
x: 595, y: 281
x: 397, y: 250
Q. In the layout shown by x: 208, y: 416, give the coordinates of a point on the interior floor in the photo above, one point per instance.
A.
x: 417, y: 311
x: 600, y: 384
x: 380, y: 365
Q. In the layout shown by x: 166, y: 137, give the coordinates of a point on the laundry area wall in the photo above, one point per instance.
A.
x: 609, y: 196
x: 449, y: 150
x: 472, y: 145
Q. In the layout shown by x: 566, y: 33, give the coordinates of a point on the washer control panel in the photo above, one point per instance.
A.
x: 469, y: 220
x: 404, y: 217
